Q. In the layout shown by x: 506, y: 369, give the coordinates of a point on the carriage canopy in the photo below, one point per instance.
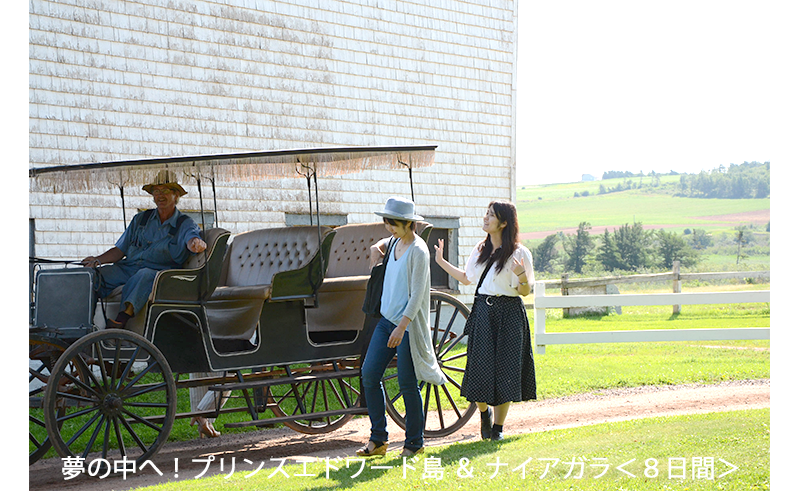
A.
x: 231, y: 167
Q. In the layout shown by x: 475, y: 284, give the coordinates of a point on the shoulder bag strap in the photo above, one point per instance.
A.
x: 485, y: 272
x: 392, y: 243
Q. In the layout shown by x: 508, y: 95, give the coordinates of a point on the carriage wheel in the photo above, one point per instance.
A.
x: 315, y: 396
x: 43, y: 354
x: 124, y: 406
x: 444, y: 409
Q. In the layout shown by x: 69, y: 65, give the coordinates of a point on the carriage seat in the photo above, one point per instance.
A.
x: 342, y: 293
x: 166, y: 289
x: 272, y: 265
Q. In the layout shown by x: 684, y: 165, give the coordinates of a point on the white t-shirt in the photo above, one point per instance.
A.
x: 394, y: 298
x: 505, y: 282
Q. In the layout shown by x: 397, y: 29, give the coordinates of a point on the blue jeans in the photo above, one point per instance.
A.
x: 138, y: 283
x: 375, y: 362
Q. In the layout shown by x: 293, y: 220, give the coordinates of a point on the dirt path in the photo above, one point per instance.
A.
x: 585, y: 409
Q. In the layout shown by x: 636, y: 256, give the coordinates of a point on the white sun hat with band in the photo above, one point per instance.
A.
x: 399, y: 209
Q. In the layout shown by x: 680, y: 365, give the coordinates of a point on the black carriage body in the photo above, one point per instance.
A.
x: 65, y: 300
x: 282, y: 338
x: 233, y: 329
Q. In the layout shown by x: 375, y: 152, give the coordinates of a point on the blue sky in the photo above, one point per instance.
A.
x: 646, y: 85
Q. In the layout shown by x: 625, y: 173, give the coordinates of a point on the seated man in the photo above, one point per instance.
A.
x: 154, y: 241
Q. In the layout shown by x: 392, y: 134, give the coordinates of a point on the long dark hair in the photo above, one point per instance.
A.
x: 505, y: 212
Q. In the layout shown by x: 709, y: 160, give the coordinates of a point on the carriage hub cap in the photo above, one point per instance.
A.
x: 112, y: 402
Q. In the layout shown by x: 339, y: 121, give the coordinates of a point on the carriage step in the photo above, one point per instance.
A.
x: 257, y: 384
x: 309, y: 416
x: 38, y: 403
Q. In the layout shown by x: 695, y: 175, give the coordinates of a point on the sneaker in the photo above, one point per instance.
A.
x: 497, y: 433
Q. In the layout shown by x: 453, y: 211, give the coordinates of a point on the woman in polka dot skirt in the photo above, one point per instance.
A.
x: 499, y: 354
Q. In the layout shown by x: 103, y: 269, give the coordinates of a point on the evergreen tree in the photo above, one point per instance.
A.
x: 545, y: 255
x: 608, y: 253
x: 700, y: 239
x: 633, y: 243
x: 741, y: 237
x: 578, y: 247
x: 671, y: 247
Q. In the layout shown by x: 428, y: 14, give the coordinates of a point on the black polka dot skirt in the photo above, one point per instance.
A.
x: 499, y: 354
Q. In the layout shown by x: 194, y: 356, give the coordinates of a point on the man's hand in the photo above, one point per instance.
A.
x: 91, y: 262
x: 110, y: 256
x: 196, y: 245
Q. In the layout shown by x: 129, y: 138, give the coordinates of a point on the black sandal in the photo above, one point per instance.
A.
x: 378, y: 448
x: 408, y: 452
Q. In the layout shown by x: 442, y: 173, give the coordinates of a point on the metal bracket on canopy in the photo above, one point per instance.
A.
x: 203, y: 220
x: 410, y: 176
x: 310, y: 172
x: 214, y: 193
x: 122, y: 195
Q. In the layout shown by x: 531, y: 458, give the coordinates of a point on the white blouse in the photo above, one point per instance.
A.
x: 505, y: 282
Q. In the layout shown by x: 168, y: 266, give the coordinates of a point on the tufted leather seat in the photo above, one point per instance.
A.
x: 341, y: 295
x: 256, y: 256
x: 249, y: 272
x: 342, y: 292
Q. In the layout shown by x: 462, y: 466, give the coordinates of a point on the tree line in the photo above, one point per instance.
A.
x: 743, y: 181
x: 626, y: 248
x: 747, y: 180
x: 615, y: 174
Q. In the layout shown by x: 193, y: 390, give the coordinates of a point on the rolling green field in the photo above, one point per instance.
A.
x: 549, y: 208
x: 553, y: 206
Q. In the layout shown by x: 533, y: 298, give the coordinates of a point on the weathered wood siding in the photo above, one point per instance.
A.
x: 112, y: 80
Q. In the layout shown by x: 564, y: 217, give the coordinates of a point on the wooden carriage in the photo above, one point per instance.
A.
x: 272, y: 317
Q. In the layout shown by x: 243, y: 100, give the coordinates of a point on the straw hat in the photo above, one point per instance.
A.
x: 399, y: 209
x: 165, y: 178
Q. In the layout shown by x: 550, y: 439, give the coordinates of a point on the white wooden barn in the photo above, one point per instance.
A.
x: 127, y: 79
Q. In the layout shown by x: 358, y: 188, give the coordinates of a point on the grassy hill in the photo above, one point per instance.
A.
x: 547, y: 209
x: 552, y: 207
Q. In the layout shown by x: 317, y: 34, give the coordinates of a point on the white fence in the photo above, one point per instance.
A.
x: 542, y: 302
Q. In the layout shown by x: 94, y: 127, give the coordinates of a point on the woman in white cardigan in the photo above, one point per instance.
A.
x: 402, y: 330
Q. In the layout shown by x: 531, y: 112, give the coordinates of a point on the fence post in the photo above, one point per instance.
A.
x: 564, y: 290
x: 676, y: 283
x: 538, y: 317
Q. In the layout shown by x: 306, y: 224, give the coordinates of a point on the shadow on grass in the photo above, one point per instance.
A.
x: 376, y: 468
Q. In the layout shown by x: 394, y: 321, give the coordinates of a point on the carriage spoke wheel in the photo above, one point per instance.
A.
x: 317, y: 395
x: 43, y: 355
x: 125, y: 405
x: 444, y: 410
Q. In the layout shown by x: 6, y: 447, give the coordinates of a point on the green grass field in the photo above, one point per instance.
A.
x: 552, y: 207
x: 729, y: 450
x: 615, y: 209
x: 574, y: 369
